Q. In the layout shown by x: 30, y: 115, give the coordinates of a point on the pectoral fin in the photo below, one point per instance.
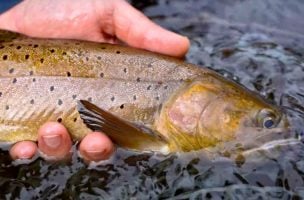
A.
x: 120, y: 131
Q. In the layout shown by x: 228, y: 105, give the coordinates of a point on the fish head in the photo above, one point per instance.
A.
x: 212, y: 111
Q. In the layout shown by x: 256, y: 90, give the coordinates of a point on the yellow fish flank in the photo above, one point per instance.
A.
x: 142, y: 100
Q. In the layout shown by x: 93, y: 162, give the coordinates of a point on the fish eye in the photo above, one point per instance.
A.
x: 268, y: 122
x: 267, y: 119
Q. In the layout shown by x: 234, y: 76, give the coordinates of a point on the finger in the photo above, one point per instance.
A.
x: 54, y: 141
x: 132, y: 27
x: 96, y: 147
x: 23, y: 150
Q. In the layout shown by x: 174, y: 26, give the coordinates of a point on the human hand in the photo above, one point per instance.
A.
x: 94, y: 20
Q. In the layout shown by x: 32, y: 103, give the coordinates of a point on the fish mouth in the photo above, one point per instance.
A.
x: 250, y: 137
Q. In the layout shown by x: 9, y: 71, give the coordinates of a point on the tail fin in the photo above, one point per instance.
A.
x: 120, y: 131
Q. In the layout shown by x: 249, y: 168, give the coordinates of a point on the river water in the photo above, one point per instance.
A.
x: 257, y: 43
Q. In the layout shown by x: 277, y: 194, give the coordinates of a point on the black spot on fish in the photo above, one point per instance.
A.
x: 101, y: 74
x: 60, y: 102
x: 103, y: 47
x: 134, y: 97
x: 31, y: 73
x: 90, y: 99
x: 52, y: 88
x: 27, y: 56
x: 41, y: 60
x: 14, y: 80
x: 150, y: 65
x: 87, y: 58
x: 1, y: 47
x: 0, y: 94
x: 32, y: 101
x: 149, y: 87
x: 34, y: 80
x: 112, y: 98
x: 64, y: 53
x: 165, y: 87
x: 11, y: 70
x: 75, y: 119
x: 18, y: 47
x: 68, y: 74
x: 6, y: 107
x: 138, y: 79
x: 59, y: 120
x: 74, y: 96
x: 125, y: 70
x: 157, y: 98
x: 99, y: 57
x: 117, y: 52
x: 35, y: 45
x: 52, y: 50
x: 121, y: 106
x: 4, y: 57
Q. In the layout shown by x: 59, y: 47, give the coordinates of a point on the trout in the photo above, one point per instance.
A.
x: 143, y: 101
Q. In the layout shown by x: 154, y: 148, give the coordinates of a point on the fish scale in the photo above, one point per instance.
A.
x: 45, y: 105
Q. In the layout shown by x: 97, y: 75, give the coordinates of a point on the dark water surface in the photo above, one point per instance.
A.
x: 258, y: 43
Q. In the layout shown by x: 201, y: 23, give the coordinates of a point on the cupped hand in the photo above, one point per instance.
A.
x: 112, y: 21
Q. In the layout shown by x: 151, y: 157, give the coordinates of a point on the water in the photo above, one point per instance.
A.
x: 258, y: 43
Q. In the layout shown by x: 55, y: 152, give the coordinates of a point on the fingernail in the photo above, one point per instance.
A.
x: 52, y: 141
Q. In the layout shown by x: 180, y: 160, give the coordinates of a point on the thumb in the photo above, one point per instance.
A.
x: 135, y: 29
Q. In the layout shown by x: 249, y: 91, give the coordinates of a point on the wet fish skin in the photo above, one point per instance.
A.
x: 42, y: 79
x: 192, y: 107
